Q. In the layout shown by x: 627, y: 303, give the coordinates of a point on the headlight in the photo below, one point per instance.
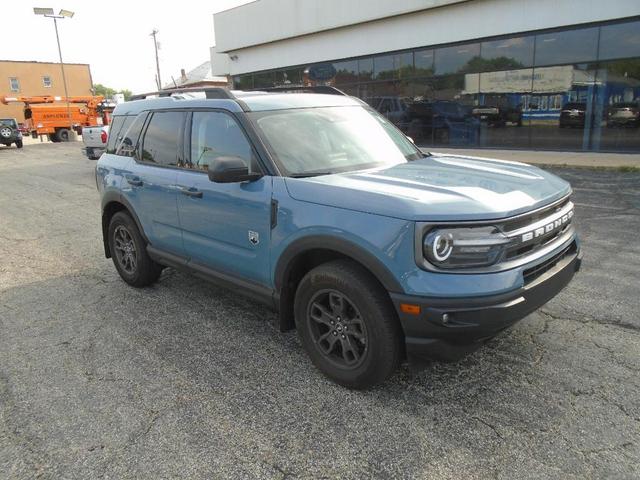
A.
x: 464, y: 247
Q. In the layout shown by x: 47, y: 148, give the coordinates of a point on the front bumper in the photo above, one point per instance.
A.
x: 469, y: 322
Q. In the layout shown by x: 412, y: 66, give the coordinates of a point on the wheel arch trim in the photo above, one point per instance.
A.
x: 111, y: 197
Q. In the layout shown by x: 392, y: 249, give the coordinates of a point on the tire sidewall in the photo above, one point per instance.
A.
x: 315, y: 281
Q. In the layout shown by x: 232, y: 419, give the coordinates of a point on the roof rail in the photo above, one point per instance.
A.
x: 315, y: 89
x: 210, y: 93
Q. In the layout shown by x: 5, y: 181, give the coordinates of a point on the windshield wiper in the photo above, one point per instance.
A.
x: 309, y: 174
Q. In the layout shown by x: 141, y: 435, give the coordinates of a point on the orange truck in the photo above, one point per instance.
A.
x: 49, y: 115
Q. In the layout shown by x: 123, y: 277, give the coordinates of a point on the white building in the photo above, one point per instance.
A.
x: 434, y: 51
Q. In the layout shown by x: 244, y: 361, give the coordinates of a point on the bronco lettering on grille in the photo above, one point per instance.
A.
x: 550, y: 227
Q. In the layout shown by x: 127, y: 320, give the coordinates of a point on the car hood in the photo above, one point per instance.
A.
x: 436, y: 188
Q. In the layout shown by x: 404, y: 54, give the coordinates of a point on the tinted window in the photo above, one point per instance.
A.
x: 127, y: 146
x: 507, y: 54
x: 365, y: 68
x: 161, y: 139
x: 117, y: 129
x: 456, y: 59
x: 619, y: 41
x: 215, y: 134
x: 346, y: 72
x: 243, y: 82
x: 264, y: 80
x: 572, y: 46
x: 383, y: 67
x: 424, y: 62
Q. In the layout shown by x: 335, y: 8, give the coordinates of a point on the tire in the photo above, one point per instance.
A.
x: 63, y: 135
x: 137, y: 268
x: 53, y: 137
x: 368, y: 353
x: 19, y: 143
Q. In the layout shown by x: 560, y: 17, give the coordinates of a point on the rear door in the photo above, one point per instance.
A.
x: 150, y: 185
x: 225, y: 226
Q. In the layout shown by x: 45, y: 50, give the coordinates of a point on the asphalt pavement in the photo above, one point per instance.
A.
x: 187, y: 380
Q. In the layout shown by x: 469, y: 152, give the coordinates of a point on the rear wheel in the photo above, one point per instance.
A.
x: 129, y: 252
x: 53, y: 137
x: 347, y: 324
x: 63, y: 135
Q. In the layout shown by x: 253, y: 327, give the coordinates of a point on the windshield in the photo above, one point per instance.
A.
x: 326, y: 140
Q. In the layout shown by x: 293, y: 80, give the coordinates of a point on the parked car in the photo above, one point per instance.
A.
x: 498, y: 116
x: 442, y: 121
x: 10, y: 133
x: 376, y: 252
x: 572, y: 115
x: 95, y: 141
x: 624, y: 114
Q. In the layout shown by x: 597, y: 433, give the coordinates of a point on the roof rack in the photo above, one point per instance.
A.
x: 225, y: 93
x: 210, y: 93
x: 314, y: 89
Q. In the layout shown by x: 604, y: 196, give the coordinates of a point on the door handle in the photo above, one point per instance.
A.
x: 135, y: 181
x: 191, y: 192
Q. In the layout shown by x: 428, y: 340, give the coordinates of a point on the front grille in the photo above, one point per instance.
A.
x: 530, y: 274
x: 525, y: 220
x: 558, y: 219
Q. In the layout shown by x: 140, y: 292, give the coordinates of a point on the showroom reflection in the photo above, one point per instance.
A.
x: 576, y: 89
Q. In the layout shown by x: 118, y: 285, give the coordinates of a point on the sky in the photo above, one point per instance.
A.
x: 113, y: 37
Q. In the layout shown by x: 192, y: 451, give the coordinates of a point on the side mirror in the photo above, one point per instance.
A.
x: 230, y: 169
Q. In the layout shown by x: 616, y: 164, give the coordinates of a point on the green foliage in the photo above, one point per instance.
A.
x: 108, y: 92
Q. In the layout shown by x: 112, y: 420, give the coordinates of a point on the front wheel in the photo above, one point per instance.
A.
x: 347, y: 324
x: 129, y: 252
x: 19, y: 143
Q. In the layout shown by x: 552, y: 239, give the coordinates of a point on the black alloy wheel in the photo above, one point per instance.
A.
x: 125, y: 249
x: 337, y: 329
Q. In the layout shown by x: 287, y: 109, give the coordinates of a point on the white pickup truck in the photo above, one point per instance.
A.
x: 95, y: 141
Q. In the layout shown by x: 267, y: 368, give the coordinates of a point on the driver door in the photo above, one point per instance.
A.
x: 225, y: 226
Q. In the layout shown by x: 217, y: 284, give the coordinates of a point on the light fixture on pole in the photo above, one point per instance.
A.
x: 48, y: 12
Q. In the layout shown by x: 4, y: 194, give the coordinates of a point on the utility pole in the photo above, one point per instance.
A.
x: 155, y: 44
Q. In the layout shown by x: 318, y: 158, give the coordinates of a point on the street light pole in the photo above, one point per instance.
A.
x: 64, y: 78
x: 48, y: 12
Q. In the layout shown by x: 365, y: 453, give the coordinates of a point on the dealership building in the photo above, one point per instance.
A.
x: 529, y: 74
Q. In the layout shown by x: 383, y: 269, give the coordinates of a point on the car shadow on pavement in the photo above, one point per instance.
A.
x: 87, y: 360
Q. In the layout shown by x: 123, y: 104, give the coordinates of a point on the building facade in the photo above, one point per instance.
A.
x: 530, y: 74
x: 40, y: 78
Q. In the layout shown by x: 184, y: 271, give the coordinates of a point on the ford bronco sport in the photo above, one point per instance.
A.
x: 376, y: 252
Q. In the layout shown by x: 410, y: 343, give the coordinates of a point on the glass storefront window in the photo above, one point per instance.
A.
x: 424, y: 63
x: 620, y: 40
x: 575, y: 89
x: 459, y: 58
x: 617, y: 110
x: 243, y: 82
x: 383, y: 68
x: 289, y: 76
x: 509, y: 53
x: 571, y: 46
x: 264, y: 80
x: 365, y: 69
x: 346, y: 72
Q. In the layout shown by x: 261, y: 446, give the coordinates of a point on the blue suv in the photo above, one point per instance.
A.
x: 376, y: 252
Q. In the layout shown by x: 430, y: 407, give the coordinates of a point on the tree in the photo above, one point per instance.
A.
x: 108, y: 92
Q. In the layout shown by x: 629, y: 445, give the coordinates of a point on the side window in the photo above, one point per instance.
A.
x: 215, y: 134
x: 161, y: 140
x: 127, y: 146
x: 114, y: 130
